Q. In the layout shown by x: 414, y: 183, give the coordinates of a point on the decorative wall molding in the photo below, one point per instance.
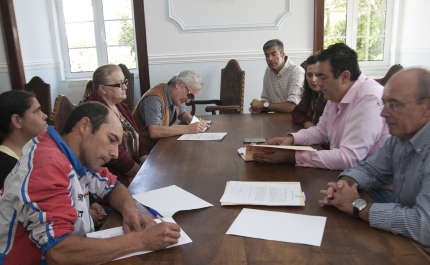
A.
x: 420, y: 49
x: 220, y: 57
x: 35, y: 65
x: 275, y: 25
x: 3, y: 68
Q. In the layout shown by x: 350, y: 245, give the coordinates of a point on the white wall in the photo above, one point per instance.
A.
x: 37, y: 44
x: 4, y: 73
x: 207, y: 52
x: 413, y: 40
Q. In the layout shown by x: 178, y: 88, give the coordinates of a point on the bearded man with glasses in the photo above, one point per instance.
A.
x: 404, y: 161
x: 163, y: 104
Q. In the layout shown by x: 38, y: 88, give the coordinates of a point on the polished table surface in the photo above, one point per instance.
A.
x: 203, y: 168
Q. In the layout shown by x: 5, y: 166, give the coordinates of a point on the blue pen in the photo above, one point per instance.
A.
x: 156, y: 214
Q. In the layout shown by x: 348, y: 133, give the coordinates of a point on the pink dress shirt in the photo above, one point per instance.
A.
x: 353, y: 127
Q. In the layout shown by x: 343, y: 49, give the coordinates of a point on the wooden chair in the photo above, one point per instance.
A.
x: 129, y: 101
x: 231, y: 93
x: 43, y: 94
x: 392, y: 71
x: 62, y: 109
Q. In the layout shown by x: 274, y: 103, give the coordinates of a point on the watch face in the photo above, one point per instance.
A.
x: 266, y: 104
x: 360, y: 204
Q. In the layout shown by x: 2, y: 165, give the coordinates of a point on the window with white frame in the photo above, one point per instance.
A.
x: 96, y: 32
x: 364, y: 25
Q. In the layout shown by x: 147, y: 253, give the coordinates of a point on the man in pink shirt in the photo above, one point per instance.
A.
x: 350, y: 121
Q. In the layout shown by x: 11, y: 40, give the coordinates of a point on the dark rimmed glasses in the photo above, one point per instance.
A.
x: 189, y: 94
x: 125, y: 82
x: 395, y: 106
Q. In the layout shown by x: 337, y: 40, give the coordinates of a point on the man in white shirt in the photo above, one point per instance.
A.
x: 283, y: 81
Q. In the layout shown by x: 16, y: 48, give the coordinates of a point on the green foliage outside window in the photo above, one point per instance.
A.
x: 371, y: 17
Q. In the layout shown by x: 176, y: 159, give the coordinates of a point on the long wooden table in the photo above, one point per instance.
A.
x: 204, y: 167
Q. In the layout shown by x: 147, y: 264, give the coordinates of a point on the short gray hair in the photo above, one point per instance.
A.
x: 188, y: 77
x: 274, y: 42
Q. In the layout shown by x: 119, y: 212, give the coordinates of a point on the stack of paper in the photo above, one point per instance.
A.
x: 263, y: 193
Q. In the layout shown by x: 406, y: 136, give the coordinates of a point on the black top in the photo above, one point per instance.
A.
x: 7, y: 163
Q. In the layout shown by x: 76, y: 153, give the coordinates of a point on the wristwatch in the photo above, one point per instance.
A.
x: 358, y: 205
x: 266, y: 105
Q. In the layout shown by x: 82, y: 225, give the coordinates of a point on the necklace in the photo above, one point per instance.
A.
x: 117, y: 114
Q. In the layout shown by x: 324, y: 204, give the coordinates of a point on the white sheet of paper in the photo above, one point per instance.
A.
x: 284, y: 227
x: 117, y: 231
x: 203, y: 136
x: 263, y: 193
x: 169, y: 200
x: 194, y: 120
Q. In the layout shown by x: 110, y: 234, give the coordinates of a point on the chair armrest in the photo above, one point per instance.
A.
x: 210, y: 101
x: 193, y: 103
x: 213, y: 109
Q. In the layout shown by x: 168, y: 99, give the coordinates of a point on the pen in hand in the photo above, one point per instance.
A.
x: 156, y: 214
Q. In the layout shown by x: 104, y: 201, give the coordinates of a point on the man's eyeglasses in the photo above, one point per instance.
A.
x: 189, y: 94
x: 394, y: 106
x: 125, y: 82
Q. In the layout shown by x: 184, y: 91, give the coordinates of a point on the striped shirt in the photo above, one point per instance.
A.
x: 406, y: 164
x: 285, y: 86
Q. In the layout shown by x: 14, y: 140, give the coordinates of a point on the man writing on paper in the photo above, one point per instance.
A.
x: 404, y: 161
x: 161, y: 105
x: 283, y: 81
x: 350, y: 121
x: 44, y: 207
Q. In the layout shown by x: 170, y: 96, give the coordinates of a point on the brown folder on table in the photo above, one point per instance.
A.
x: 254, y: 148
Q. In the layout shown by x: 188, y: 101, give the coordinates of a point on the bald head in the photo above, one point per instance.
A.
x: 406, y: 100
x: 413, y: 80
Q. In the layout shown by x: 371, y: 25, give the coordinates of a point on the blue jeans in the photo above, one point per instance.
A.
x: 382, y: 196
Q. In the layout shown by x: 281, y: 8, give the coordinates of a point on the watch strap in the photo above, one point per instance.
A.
x: 356, y: 212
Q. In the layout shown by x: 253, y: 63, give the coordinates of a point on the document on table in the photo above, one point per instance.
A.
x: 277, y: 226
x: 263, y: 193
x: 247, y: 152
x: 117, y: 231
x: 169, y: 200
x: 203, y: 136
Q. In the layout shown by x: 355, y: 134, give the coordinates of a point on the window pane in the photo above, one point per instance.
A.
x: 372, y: 4
x: 373, y: 50
x: 362, y: 23
x: 83, y: 60
x: 330, y: 41
x: 335, y: 4
x: 377, y: 23
x: 119, y: 32
x: 335, y: 24
x: 80, y: 35
x: 77, y: 10
x: 361, y: 49
x: 122, y: 54
x: 376, y: 49
x: 380, y: 4
x: 115, y: 9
